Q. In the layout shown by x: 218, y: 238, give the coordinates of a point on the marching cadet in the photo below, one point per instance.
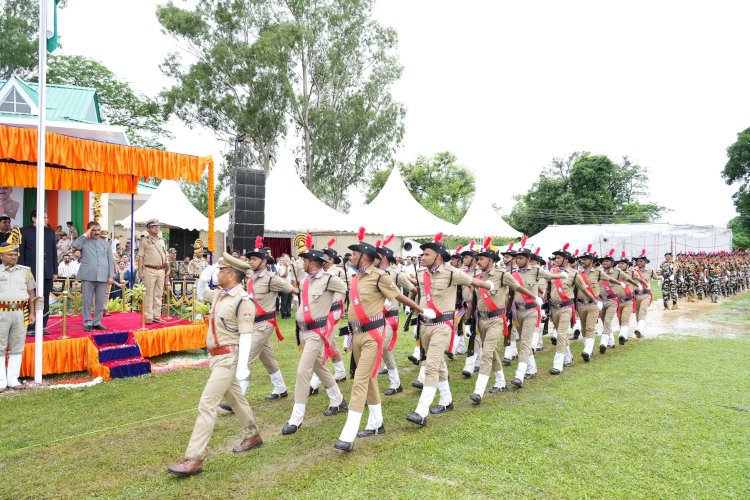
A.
x: 153, y: 268
x: 438, y: 293
x: 562, y: 305
x: 469, y: 261
x: 331, y: 266
x: 490, y: 317
x: 527, y: 313
x: 370, y: 289
x: 264, y: 286
x: 626, y: 298
x: 537, y: 342
x: 17, y: 297
x: 643, y: 298
x: 509, y: 265
x: 668, y: 273
x: 229, y: 344
x: 459, y: 333
x: 319, y: 289
x: 610, y: 298
x: 401, y: 279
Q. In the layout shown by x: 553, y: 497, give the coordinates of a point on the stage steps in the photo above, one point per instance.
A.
x: 117, y: 355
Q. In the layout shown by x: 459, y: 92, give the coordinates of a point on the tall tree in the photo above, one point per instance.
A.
x: 438, y: 183
x: 236, y: 78
x: 19, y: 28
x: 737, y: 171
x: 740, y: 234
x: 585, y: 189
x: 119, y: 103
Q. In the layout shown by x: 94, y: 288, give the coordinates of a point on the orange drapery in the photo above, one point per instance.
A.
x: 60, y: 356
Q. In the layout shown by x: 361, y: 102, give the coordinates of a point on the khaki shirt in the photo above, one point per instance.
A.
x: 401, y: 279
x: 647, y: 274
x: 466, y: 291
x: 443, y: 295
x: 323, y: 288
x: 596, y: 276
x: 15, y: 283
x: 530, y: 277
x: 374, y: 286
x: 569, y: 284
x: 266, y: 287
x: 617, y: 275
x: 153, y: 250
x: 340, y: 274
x: 232, y: 313
x: 502, y: 280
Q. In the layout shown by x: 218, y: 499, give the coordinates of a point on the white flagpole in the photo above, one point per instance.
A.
x: 40, y: 192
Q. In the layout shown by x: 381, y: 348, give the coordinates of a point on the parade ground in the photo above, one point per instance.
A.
x: 659, y: 417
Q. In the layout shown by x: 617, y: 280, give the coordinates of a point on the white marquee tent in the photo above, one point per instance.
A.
x: 171, y: 207
x: 482, y: 220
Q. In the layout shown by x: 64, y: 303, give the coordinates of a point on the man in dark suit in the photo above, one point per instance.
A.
x: 27, y: 257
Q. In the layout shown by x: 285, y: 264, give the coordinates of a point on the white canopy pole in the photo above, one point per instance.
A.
x: 40, y: 192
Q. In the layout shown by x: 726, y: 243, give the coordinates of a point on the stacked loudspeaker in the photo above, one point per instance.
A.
x: 247, y: 195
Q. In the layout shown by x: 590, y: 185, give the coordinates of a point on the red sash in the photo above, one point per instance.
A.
x: 393, y: 321
x: 484, y: 293
x: 322, y: 331
x: 648, y: 289
x: 428, y: 297
x: 528, y: 299
x: 563, y: 296
x: 629, y: 294
x: 587, y: 284
x: 259, y: 311
x: 376, y: 335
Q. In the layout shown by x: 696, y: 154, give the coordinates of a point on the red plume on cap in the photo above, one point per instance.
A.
x: 623, y: 254
x: 377, y: 244
x: 487, y: 242
x: 523, y: 241
x: 361, y: 234
x: 471, y: 245
x: 588, y: 248
x: 308, y: 241
x: 387, y: 240
x: 565, y: 246
x: 330, y: 242
x: 510, y: 247
x: 643, y: 252
x: 258, y: 242
x: 438, y: 237
x: 538, y: 249
x: 458, y: 248
x: 611, y: 252
x: 576, y: 254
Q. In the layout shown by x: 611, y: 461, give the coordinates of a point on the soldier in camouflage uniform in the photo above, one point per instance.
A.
x: 668, y: 273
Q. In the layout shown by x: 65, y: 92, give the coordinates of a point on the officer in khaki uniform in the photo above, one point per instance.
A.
x: 643, y: 298
x: 562, y: 305
x: 401, y: 279
x: 527, y: 313
x: 153, y: 267
x: 626, y: 298
x: 318, y: 291
x: 490, y: 318
x: 174, y: 264
x: 229, y: 341
x: 509, y: 265
x: 589, y: 310
x: 438, y: 298
x: 610, y: 297
x: 17, y: 295
x: 370, y: 288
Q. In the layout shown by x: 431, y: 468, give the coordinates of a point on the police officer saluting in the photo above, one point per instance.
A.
x: 229, y: 342
x: 371, y: 288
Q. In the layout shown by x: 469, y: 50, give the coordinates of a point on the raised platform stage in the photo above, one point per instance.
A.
x: 118, y: 351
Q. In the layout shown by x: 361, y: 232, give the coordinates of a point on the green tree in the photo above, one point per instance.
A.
x: 585, y: 189
x: 438, y: 183
x: 198, y: 196
x: 119, y: 103
x: 19, y: 28
x: 740, y: 234
x: 236, y: 80
x: 737, y: 171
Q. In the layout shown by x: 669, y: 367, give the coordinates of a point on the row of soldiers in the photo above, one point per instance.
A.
x: 495, y: 305
x: 704, y: 275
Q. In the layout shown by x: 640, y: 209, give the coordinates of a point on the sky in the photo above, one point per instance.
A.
x: 508, y: 86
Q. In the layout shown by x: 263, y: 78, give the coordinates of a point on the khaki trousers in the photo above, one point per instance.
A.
x: 491, y: 332
x: 153, y: 280
x: 561, y: 317
x: 311, y: 360
x: 435, y: 340
x: 221, y: 383
x: 589, y: 316
x: 526, y: 324
x: 364, y: 388
x: 642, y: 302
x: 260, y: 347
x: 388, y: 359
x: 609, y: 311
x: 12, y: 333
x: 626, y: 310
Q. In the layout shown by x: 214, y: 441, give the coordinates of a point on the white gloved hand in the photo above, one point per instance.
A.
x: 639, y: 288
x: 622, y: 283
x: 429, y: 314
x: 387, y: 304
x: 564, y: 274
x: 490, y: 284
x: 242, y: 373
x: 671, y: 277
x: 599, y: 305
x: 539, y: 301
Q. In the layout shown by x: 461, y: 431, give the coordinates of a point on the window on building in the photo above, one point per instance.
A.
x: 14, y: 103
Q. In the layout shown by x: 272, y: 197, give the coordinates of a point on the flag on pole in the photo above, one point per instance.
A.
x: 51, y: 24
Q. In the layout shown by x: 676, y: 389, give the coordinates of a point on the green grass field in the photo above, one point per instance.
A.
x: 650, y: 419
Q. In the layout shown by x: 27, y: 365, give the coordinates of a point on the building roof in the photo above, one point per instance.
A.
x: 65, y: 103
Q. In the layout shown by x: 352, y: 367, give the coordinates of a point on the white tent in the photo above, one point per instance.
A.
x: 482, y: 220
x: 394, y: 210
x: 657, y: 239
x: 171, y: 207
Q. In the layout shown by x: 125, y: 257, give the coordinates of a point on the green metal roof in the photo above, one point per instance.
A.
x: 64, y: 102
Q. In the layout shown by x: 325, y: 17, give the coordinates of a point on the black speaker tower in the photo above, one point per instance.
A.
x: 247, y: 195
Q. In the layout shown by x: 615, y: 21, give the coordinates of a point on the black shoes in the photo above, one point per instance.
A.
x: 555, y: 371
x: 391, y: 391
x: 517, y: 382
x: 568, y: 364
x: 495, y: 389
x: 290, y: 429
x: 226, y: 407
x: 343, y: 445
x: 383, y: 371
x: 100, y: 327
x: 371, y: 432
x: 476, y: 398
x: 273, y: 396
x: 334, y: 410
x: 506, y: 361
x: 466, y: 373
x: 442, y: 409
x: 553, y: 340
x: 413, y: 360
x: 638, y: 334
x: 416, y: 418
x: 586, y: 356
x: 417, y: 385
x: 313, y: 392
x: 528, y: 375
x: 602, y: 348
x: 87, y: 328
